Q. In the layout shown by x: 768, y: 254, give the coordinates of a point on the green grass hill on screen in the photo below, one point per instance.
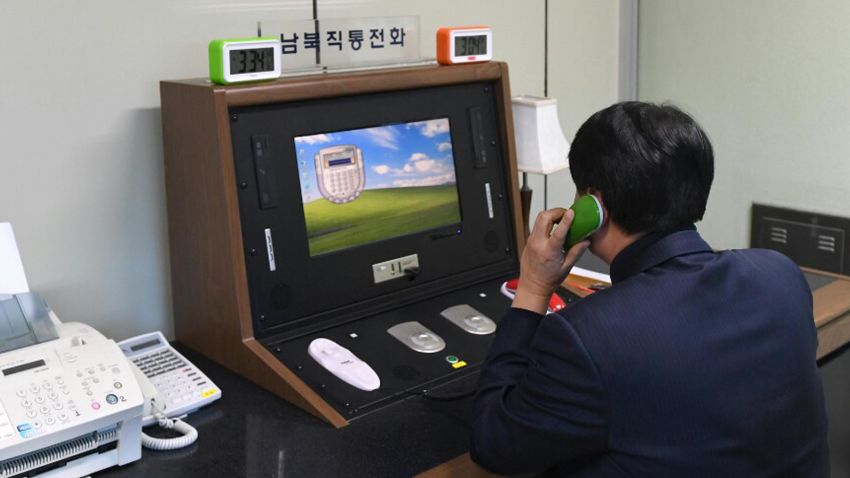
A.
x: 379, y: 214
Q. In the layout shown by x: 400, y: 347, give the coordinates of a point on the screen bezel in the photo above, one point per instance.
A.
x: 389, y: 238
x: 302, y: 292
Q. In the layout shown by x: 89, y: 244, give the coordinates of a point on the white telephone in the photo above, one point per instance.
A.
x: 172, y: 387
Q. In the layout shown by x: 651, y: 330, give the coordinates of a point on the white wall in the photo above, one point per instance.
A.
x: 81, y: 174
x: 583, y: 74
x: 768, y: 80
x: 583, y: 54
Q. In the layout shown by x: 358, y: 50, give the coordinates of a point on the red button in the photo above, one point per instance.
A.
x: 95, y: 405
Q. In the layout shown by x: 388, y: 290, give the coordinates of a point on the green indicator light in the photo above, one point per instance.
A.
x: 451, y: 359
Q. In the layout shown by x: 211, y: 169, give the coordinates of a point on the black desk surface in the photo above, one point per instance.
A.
x: 250, y: 432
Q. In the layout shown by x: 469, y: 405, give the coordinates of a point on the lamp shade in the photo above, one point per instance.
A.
x: 540, y: 144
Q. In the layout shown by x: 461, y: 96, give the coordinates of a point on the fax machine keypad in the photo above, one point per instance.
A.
x: 43, y: 404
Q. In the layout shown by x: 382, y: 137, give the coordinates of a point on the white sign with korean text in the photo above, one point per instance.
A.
x: 345, y: 42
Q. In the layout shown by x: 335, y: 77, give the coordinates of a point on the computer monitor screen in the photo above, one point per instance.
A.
x: 365, y: 185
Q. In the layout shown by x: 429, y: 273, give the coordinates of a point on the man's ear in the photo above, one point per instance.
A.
x: 598, y: 196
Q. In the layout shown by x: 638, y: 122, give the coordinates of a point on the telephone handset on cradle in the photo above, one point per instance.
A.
x: 587, y: 220
x: 172, y: 387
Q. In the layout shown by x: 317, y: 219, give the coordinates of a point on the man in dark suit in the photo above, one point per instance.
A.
x: 693, y: 363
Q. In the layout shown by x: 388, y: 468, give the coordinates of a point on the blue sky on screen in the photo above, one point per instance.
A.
x: 400, y: 155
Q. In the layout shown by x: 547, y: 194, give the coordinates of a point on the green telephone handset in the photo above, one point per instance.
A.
x: 587, y: 220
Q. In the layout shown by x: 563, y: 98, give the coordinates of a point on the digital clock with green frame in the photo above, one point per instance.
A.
x: 238, y: 60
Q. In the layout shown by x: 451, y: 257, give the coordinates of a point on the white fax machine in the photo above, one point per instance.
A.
x: 69, y: 402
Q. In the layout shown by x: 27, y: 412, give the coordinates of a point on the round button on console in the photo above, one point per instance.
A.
x: 111, y: 399
x: 21, y: 393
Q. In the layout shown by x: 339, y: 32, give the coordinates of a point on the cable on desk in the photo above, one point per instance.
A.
x: 188, y: 432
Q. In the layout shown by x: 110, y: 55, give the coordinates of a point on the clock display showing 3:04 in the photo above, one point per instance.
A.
x: 470, y: 45
x: 251, y: 60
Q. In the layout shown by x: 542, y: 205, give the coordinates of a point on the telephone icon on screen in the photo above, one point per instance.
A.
x: 340, y: 173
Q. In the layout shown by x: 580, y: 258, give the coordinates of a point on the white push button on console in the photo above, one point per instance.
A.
x: 469, y: 319
x: 345, y: 365
x: 417, y: 337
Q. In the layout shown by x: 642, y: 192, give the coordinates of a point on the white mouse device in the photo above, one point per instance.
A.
x: 339, y: 361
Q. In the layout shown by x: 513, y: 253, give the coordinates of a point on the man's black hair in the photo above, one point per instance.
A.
x: 653, y: 165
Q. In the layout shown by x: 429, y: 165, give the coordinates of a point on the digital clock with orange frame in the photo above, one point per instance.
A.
x: 457, y: 45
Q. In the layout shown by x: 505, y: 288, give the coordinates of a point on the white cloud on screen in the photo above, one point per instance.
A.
x: 314, y: 139
x: 444, y: 147
x: 432, y: 128
x: 448, y: 178
x: 426, y: 165
x: 417, y: 165
x: 384, y: 137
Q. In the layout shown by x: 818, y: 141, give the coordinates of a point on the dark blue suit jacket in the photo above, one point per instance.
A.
x: 694, y: 363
